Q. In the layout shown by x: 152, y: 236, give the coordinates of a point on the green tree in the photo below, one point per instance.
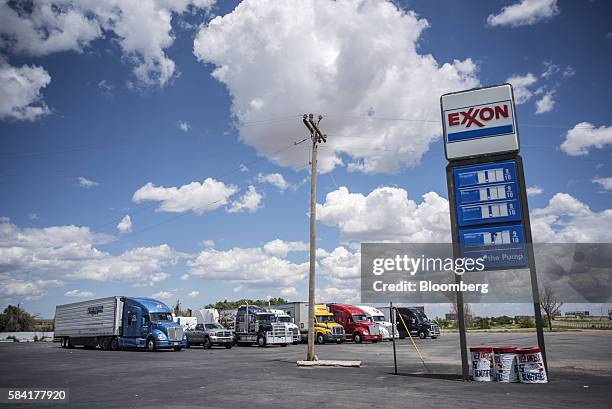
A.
x: 15, y: 319
x: 230, y: 305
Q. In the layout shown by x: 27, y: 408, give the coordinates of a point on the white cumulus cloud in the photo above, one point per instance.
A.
x: 86, y: 183
x: 281, y: 248
x: 20, y: 89
x: 275, y: 179
x: 521, y: 86
x: 79, y: 293
x: 196, y: 197
x: 125, y: 225
x: 250, y: 201
x: 534, y: 190
x: 248, y: 266
x: 258, y: 52
x: 162, y: 295
x: 545, y: 104
x: 605, y: 183
x: 584, y: 136
x: 524, y: 13
x: 386, y: 214
x: 193, y: 294
x: 142, y: 28
x: 184, y: 126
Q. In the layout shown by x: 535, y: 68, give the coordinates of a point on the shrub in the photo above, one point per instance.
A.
x: 526, y: 322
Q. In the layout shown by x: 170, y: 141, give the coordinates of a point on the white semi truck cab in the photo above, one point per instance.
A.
x: 386, y: 328
x: 284, y: 318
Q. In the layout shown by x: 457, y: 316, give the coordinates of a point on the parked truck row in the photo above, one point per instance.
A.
x: 123, y: 322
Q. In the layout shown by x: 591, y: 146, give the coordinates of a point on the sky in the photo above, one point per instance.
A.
x: 156, y: 148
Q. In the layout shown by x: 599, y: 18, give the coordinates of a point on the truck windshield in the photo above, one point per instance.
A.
x: 325, y: 318
x: 420, y: 315
x: 358, y: 318
x: 265, y: 317
x: 161, y: 316
x: 212, y: 326
x: 283, y: 319
x: 378, y: 318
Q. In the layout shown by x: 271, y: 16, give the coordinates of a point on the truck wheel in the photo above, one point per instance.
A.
x: 357, y: 338
x: 261, y: 340
x: 229, y: 346
x: 339, y: 341
x: 114, y: 344
x: 151, y: 345
x: 433, y: 337
x: 104, y: 344
x: 177, y: 349
x: 320, y: 339
x: 422, y: 334
x: 207, y: 344
x: 69, y: 343
x: 188, y: 344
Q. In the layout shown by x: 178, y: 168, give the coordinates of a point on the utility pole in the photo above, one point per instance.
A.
x: 316, y: 137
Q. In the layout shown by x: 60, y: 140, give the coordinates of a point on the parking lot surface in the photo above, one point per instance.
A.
x: 580, y: 369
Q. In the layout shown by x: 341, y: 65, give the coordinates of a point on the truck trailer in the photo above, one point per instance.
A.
x: 118, y: 322
x: 326, y: 329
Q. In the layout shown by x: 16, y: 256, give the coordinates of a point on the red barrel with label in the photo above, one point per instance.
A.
x: 530, y: 365
x: 482, y: 363
x: 505, y: 368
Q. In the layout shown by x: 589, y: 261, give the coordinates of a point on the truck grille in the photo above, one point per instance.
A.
x: 374, y: 330
x: 337, y: 330
x: 175, y: 333
x: 435, y: 329
x: 279, y: 330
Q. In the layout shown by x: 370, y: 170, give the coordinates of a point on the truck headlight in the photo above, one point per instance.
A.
x: 366, y: 332
x: 161, y: 336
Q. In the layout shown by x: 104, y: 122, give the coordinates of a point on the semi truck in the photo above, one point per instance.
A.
x: 283, y: 317
x: 326, y: 329
x: 386, y: 327
x: 256, y: 325
x: 118, y: 322
x: 417, y: 322
x: 356, y: 324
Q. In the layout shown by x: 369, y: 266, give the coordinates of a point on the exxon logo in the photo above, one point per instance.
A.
x: 478, y: 116
x: 479, y: 121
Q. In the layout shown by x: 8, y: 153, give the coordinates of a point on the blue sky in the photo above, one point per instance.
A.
x: 239, y: 85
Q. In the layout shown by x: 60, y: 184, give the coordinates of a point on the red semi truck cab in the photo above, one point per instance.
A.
x: 355, y: 322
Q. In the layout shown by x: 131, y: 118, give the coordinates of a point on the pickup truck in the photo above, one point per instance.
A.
x: 208, y: 335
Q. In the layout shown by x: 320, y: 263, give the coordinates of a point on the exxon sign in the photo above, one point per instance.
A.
x: 479, y: 122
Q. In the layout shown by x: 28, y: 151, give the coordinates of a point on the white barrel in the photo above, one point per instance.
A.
x: 482, y: 363
x: 505, y: 368
x: 531, y: 366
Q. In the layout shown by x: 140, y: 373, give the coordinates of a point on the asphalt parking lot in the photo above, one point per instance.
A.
x: 250, y: 377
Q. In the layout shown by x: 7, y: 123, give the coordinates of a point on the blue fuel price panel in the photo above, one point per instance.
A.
x: 500, y: 246
x: 487, y: 194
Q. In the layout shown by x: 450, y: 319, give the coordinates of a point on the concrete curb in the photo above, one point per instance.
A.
x: 346, y: 364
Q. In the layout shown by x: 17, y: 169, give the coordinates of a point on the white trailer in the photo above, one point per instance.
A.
x: 207, y: 316
x: 186, y: 322
x: 298, y: 311
x: 89, y: 319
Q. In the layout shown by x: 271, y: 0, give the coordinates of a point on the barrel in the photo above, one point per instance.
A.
x: 505, y: 367
x: 530, y: 365
x: 482, y: 363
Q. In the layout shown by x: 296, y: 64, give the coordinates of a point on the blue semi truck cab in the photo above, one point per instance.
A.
x: 118, y: 322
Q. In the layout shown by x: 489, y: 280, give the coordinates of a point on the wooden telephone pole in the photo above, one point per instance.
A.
x: 316, y: 137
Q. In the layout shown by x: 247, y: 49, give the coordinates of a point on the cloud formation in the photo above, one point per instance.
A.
x: 20, y: 88
x: 584, y: 136
x: 336, y: 76
x: 196, y: 197
x: 524, y: 13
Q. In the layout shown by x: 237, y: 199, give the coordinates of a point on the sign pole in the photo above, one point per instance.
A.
x: 537, y: 311
x: 393, y: 329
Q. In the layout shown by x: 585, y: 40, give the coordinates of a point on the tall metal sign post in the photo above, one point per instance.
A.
x: 486, y: 189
